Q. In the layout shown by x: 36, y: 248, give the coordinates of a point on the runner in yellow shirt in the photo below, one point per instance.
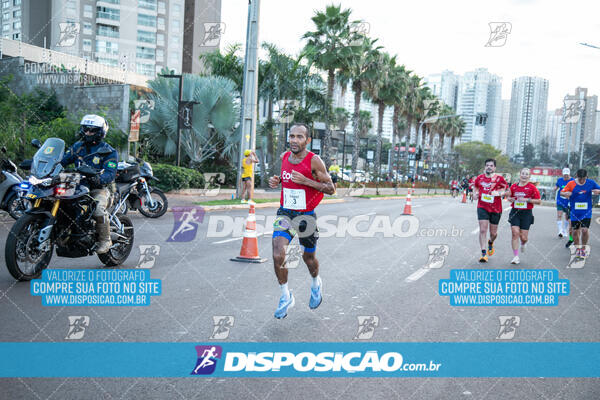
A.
x: 248, y: 174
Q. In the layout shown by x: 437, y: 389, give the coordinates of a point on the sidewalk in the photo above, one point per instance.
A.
x: 190, y: 197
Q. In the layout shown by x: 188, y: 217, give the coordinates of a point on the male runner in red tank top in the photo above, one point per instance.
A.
x: 489, y: 188
x: 304, y: 179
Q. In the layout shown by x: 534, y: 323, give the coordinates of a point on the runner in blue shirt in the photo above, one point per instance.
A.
x: 562, y: 206
x: 579, y: 192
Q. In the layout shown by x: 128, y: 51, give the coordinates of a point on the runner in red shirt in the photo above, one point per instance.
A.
x: 523, y: 195
x: 470, y: 188
x: 489, y: 188
x: 454, y: 187
x: 304, y: 179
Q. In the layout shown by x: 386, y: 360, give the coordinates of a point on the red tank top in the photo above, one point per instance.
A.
x: 294, y: 196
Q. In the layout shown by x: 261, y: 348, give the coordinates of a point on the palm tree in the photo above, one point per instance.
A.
x: 341, y: 117
x: 213, y: 121
x: 229, y: 64
x: 326, y: 46
x: 409, y: 104
x: 359, y: 68
x: 382, y: 92
x: 458, y: 129
x: 365, y: 123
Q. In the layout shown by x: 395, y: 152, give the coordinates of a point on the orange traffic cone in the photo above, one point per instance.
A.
x: 249, y: 251
x: 407, y: 206
x: 464, y: 199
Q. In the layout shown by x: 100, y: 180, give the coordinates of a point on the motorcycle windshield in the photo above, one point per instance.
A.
x: 47, y: 158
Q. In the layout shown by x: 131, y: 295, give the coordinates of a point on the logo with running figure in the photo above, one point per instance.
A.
x: 212, y: 183
x: 437, y: 255
x: 68, y: 33
x: 355, y: 189
x: 358, y: 31
x: 148, y: 254
x: 77, y: 326
x: 212, y: 33
x: 499, y: 32
x: 578, y: 256
x: 508, y: 326
x: 366, y: 326
x: 293, y: 255
x: 207, y: 359
x: 222, y: 326
x: 185, y: 223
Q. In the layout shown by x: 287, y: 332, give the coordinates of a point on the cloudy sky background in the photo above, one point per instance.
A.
x: 429, y: 36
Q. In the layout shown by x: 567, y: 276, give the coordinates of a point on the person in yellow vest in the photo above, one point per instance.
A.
x: 247, y: 174
x: 334, y: 171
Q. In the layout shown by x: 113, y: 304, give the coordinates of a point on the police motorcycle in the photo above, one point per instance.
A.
x: 134, y: 192
x: 11, y: 195
x: 61, y: 217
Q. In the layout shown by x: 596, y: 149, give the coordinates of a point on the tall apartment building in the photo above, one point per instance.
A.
x: 528, y: 108
x: 503, y: 133
x: 143, y: 36
x: 479, y: 103
x: 585, y: 130
x: 554, y: 130
x: 202, y: 33
x: 445, y: 86
x: 346, y: 101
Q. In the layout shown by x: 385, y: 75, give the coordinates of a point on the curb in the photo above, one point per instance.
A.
x: 258, y: 205
x: 404, y: 197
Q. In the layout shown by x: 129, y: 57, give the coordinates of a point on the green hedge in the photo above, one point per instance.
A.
x: 176, y: 178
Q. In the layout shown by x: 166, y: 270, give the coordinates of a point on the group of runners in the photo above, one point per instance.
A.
x: 573, y: 203
x: 304, y: 180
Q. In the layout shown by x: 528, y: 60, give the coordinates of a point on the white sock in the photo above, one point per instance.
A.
x: 316, y: 282
x: 565, y: 225
x: 285, y: 291
x: 560, y: 226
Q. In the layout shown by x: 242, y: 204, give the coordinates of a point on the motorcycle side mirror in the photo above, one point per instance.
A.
x: 104, y: 152
x: 36, y: 143
x: 3, y: 149
x: 25, y: 164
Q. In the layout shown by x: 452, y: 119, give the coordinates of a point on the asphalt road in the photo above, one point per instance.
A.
x: 362, y: 276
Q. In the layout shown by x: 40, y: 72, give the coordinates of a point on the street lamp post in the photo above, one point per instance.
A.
x: 249, y: 89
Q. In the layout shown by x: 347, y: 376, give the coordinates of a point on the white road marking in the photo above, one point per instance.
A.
x: 240, y: 238
x: 418, y: 274
x: 366, y: 215
x: 476, y: 230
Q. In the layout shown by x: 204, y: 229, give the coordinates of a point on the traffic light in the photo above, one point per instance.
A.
x: 419, y: 154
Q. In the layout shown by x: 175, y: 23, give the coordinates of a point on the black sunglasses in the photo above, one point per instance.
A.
x: 90, y: 128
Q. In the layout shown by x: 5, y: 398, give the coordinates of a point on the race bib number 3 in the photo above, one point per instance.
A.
x: 520, y: 204
x: 581, y: 206
x: 294, y: 199
x: 488, y: 198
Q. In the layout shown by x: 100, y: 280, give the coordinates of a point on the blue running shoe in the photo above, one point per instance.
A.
x: 316, y: 297
x: 283, y: 306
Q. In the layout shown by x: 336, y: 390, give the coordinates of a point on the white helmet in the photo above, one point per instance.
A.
x: 94, y: 123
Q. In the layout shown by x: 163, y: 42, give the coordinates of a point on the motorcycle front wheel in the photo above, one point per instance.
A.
x: 122, y: 243
x: 25, y: 259
x: 160, y: 204
x: 16, y: 206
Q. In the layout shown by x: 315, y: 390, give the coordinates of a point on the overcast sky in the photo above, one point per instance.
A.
x: 429, y: 36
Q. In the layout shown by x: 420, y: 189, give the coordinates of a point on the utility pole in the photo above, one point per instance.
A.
x: 249, y: 89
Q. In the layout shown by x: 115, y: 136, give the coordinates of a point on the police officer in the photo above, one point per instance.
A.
x: 87, y: 150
